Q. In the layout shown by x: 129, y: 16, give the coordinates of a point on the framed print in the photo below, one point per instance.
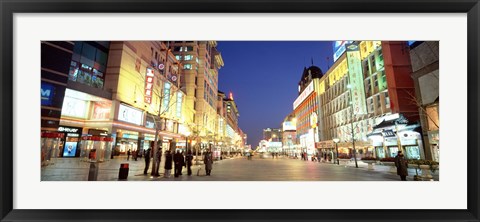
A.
x: 252, y: 111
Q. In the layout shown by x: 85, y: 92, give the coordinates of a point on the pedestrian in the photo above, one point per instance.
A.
x: 135, y: 155
x: 168, y: 163
x: 402, y: 165
x: 158, y: 159
x: 128, y: 154
x: 147, y: 160
x: 208, y: 161
x: 179, y: 162
x: 188, y: 160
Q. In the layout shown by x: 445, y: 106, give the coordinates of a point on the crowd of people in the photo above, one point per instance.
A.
x: 176, y: 161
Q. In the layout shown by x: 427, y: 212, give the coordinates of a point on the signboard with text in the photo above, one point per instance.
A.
x: 149, y: 77
x: 130, y: 115
x: 339, y: 49
x: 306, y: 92
x: 357, y: 89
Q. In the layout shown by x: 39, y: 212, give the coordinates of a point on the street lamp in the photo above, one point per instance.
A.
x: 336, y: 140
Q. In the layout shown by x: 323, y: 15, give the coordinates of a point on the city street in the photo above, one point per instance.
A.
x: 235, y: 169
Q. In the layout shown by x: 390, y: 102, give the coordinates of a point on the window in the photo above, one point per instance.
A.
x: 387, y: 101
x: 187, y: 66
x: 188, y: 48
x: 379, y: 104
x: 178, y: 57
x: 188, y: 57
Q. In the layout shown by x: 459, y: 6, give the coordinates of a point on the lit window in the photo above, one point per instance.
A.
x: 187, y: 66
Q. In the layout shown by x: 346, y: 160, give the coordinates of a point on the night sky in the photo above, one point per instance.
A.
x: 263, y: 77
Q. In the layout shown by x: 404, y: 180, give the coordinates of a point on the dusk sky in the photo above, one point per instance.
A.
x: 263, y: 77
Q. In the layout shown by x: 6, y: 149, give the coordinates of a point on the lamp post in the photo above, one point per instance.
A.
x: 336, y: 140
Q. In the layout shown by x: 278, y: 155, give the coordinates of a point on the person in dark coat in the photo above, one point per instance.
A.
x: 147, y: 160
x: 179, y: 162
x: 188, y: 160
x: 168, y: 163
x: 402, y: 165
x: 208, y: 161
x: 158, y: 159
x: 128, y: 154
x: 135, y: 155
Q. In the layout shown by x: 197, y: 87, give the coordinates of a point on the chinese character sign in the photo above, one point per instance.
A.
x: 149, y: 85
x: 356, y: 79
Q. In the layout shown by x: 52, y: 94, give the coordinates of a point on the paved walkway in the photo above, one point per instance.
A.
x: 235, y: 169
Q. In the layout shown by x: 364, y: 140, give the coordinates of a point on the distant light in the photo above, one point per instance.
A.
x: 349, y: 86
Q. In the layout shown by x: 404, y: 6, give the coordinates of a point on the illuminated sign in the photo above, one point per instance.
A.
x: 149, y: 85
x: 130, y: 115
x: 68, y: 129
x: 303, y: 95
x: 74, y: 107
x: 46, y: 92
x: 356, y: 79
x: 310, y: 139
x: 339, y: 49
x: 166, y: 96
x: 150, y: 122
x: 313, y: 120
x: 288, y: 125
x: 101, y: 111
x: 130, y: 136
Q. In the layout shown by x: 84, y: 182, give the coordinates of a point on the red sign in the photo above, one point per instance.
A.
x: 149, y: 85
x: 101, y: 111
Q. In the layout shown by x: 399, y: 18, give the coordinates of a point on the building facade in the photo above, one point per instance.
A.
x: 309, y: 121
x: 289, y: 134
x: 425, y: 73
x: 365, y: 102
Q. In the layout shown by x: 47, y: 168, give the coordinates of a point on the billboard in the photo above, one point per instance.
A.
x: 307, y: 91
x: 46, y: 92
x: 339, y: 49
x: 289, y: 125
x: 355, y: 75
x: 130, y: 115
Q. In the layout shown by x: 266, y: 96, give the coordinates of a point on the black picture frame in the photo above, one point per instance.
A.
x: 9, y: 7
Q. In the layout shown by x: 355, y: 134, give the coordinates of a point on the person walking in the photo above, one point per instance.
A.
x: 208, y: 161
x: 147, y: 160
x: 135, y: 155
x: 128, y: 154
x: 188, y: 160
x: 179, y: 161
x: 168, y: 163
x: 402, y: 165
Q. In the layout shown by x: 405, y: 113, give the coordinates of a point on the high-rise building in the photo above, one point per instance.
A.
x: 201, y: 62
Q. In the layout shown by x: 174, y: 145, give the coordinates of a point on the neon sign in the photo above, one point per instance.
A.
x: 149, y: 85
